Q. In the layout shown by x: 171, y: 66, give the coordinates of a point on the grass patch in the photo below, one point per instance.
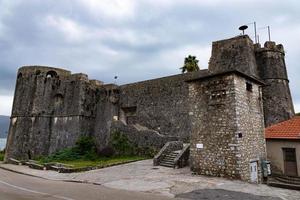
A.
x: 84, y: 155
x: 102, y: 161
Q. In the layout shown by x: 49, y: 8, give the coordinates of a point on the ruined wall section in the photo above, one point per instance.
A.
x: 233, y: 54
x: 51, y: 109
x: 159, y: 104
x: 277, y: 99
x: 220, y: 111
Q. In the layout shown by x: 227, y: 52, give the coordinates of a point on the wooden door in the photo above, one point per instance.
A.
x: 290, y: 162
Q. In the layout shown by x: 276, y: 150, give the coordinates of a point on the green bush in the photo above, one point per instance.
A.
x: 1, y: 155
x: 121, y: 145
x: 85, y: 145
x: 107, y: 151
x: 124, y: 147
x: 298, y: 114
x: 85, y: 149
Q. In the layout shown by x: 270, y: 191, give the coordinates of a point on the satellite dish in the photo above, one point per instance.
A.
x: 243, y: 28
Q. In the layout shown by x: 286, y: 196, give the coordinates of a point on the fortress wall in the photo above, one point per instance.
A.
x: 233, y: 54
x: 52, y: 108
x: 107, y: 108
x: 159, y: 104
x: 276, y: 91
x: 227, y: 128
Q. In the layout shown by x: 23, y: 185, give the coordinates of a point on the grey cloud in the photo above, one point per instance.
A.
x: 29, y: 40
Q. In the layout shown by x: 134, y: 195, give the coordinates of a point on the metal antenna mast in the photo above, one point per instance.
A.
x: 269, y: 31
x: 244, y: 27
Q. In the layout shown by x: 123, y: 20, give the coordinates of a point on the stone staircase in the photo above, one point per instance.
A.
x: 169, y: 159
x: 288, y: 182
x: 174, y: 154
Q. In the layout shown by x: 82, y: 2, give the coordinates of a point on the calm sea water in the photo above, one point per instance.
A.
x: 2, y: 143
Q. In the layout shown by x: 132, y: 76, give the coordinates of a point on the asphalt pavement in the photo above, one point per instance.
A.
x: 15, y: 186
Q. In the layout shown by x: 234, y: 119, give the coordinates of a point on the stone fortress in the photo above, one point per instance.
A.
x: 221, y: 111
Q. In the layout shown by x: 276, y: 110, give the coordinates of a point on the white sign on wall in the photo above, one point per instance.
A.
x: 199, y: 146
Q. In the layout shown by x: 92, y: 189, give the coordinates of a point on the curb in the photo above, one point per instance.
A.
x: 26, y: 174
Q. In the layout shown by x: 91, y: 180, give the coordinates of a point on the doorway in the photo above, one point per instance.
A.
x: 290, y: 162
x: 253, y: 172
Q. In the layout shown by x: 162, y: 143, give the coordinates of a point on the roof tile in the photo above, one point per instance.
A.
x: 289, y: 129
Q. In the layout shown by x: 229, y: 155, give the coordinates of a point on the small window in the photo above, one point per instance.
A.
x: 249, y: 87
x: 240, y: 135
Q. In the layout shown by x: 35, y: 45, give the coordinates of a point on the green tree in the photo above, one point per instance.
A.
x: 190, y: 64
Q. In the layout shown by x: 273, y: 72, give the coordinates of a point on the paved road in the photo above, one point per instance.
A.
x: 15, y: 186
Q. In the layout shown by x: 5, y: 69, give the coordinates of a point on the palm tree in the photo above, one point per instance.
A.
x: 190, y: 64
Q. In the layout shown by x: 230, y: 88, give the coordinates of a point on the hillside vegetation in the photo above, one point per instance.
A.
x: 4, y: 125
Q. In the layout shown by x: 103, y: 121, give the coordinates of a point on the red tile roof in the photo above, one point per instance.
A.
x: 289, y: 129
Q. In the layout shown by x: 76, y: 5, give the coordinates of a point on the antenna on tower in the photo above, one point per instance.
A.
x: 116, y: 77
x: 254, y: 26
x: 269, y: 31
x: 243, y: 28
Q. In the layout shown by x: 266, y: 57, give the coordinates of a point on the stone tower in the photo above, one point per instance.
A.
x: 51, y: 109
x: 277, y: 100
x: 234, y: 54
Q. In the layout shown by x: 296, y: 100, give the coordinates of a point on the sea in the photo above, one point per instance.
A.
x: 2, y: 143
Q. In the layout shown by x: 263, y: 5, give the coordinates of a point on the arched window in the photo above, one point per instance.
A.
x: 51, y: 74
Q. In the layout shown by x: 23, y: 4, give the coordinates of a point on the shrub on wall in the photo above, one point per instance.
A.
x: 121, y: 145
x: 85, y: 149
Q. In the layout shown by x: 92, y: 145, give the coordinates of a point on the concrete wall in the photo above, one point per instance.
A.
x: 227, y: 120
x: 275, y: 153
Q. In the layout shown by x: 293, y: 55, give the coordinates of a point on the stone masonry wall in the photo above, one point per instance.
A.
x: 51, y: 109
x: 159, y: 104
x: 233, y: 54
x: 250, y: 140
x: 211, y: 113
x: 217, y: 114
x: 276, y: 91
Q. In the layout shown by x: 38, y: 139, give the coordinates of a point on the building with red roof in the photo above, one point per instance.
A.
x: 283, y: 146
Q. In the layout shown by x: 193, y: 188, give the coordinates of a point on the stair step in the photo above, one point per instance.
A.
x: 287, y: 180
x: 293, y: 178
x: 283, y: 185
x: 166, y: 165
x: 170, y: 157
x: 170, y: 161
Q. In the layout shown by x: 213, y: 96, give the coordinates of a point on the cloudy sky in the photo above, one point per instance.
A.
x: 135, y: 40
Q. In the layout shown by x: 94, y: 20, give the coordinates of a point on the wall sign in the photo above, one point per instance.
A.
x: 199, y: 146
